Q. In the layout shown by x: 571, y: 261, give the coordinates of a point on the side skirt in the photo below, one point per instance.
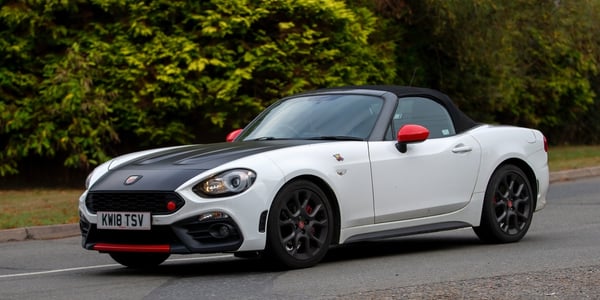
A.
x: 407, y: 231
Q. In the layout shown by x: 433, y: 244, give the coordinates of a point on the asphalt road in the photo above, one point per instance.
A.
x: 558, y: 259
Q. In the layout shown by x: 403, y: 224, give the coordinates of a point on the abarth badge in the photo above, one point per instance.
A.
x: 132, y: 179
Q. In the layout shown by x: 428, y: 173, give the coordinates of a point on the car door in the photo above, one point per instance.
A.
x: 434, y: 177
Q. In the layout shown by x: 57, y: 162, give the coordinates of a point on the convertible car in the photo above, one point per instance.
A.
x: 315, y: 170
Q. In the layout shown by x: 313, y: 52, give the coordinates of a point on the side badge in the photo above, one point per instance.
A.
x: 132, y: 179
x: 338, y: 157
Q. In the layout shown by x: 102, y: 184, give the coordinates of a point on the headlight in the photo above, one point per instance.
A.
x: 226, y: 183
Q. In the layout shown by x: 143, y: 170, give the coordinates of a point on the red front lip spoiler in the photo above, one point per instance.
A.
x: 104, y: 247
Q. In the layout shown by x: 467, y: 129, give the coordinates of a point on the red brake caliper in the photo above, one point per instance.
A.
x: 309, y: 211
x: 301, y: 223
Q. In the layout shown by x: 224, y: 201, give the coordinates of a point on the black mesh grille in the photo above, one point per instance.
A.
x: 154, y: 202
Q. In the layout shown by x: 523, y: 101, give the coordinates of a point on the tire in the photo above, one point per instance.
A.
x: 139, y: 260
x: 300, y: 225
x: 507, y: 208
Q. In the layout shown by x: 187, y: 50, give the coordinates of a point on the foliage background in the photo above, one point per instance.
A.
x: 84, y: 80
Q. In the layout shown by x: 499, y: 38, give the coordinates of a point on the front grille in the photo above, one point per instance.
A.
x: 154, y: 202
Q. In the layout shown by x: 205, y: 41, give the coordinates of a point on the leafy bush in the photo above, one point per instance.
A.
x: 88, y: 78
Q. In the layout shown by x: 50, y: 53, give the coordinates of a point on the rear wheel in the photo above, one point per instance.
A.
x: 508, y: 206
x: 300, y: 225
x: 139, y: 260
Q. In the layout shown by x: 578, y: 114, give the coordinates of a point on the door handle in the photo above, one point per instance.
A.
x: 462, y: 149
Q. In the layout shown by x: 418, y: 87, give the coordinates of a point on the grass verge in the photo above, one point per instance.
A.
x: 22, y: 208
x: 573, y: 157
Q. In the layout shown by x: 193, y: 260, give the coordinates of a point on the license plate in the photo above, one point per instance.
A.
x: 124, y: 220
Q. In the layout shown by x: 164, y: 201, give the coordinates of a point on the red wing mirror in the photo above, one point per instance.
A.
x: 233, y: 135
x: 411, y: 133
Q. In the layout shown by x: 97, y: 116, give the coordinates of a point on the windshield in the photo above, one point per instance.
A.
x: 339, y: 116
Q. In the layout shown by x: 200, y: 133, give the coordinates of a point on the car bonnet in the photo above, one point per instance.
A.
x: 168, y: 169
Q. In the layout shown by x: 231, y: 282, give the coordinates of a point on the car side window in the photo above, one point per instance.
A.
x: 425, y: 112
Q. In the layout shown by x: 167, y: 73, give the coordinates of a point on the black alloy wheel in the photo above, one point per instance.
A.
x: 136, y: 260
x: 508, y: 206
x: 300, y: 225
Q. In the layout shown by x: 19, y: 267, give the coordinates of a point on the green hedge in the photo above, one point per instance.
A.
x: 88, y: 77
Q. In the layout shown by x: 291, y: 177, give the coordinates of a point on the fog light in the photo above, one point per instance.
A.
x: 220, y: 231
x: 224, y: 231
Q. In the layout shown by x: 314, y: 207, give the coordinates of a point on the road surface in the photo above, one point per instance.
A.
x: 558, y: 259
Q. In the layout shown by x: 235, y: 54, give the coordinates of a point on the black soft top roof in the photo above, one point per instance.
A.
x: 461, y: 121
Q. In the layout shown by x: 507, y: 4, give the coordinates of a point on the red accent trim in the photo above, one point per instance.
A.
x: 132, y: 248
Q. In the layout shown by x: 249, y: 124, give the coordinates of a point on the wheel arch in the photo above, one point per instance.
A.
x: 333, y: 201
x: 528, y: 172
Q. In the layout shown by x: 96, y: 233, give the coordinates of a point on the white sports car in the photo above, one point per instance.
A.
x: 319, y: 169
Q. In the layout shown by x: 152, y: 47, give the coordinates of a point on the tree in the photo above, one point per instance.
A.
x: 527, y: 62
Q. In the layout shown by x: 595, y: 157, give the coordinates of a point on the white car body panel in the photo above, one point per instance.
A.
x: 500, y: 143
x: 449, y: 166
x: 470, y: 214
x: 349, y: 177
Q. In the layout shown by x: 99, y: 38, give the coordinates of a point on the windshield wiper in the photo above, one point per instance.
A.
x: 262, y: 138
x: 335, y: 138
x: 325, y: 138
x: 267, y: 138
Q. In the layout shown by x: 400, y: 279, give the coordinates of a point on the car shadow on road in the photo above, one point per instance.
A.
x: 398, y: 246
x: 341, y: 254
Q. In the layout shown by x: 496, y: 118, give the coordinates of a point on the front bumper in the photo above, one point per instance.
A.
x: 239, y: 225
x: 183, y: 237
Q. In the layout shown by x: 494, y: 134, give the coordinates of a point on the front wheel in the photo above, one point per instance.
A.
x: 139, y: 260
x: 300, y: 225
x: 507, y: 208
